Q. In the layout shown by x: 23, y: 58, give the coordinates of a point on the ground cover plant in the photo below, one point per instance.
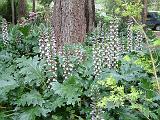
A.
x: 112, y: 75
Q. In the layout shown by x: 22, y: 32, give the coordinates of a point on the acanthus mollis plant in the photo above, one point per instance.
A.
x: 97, y: 58
x: 103, y: 49
x: 138, y: 41
x: 97, y: 49
x: 31, y: 18
x: 67, y: 64
x: 115, y: 45
x: 130, y: 35
x: 42, y: 45
x: 72, y: 55
x: 108, y: 47
x: 106, y: 51
x: 52, y: 50
x: 59, y: 56
x: 97, y: 112
x: 48, y: 51
x: 79, y: 54
x: 5, y: 36
x: 135, y: 42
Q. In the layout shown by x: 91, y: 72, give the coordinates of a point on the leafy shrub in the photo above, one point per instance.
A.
x: 127, y: 92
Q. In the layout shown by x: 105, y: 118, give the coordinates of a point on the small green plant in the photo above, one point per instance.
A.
x: 123, y: 91
x: 123, y: 101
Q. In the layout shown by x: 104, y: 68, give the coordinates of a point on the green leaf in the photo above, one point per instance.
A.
x: 33, y: 69
x: 2, y: 116
x: 157, y: 42
x: 25, y: 30
x: 32, y: 113
x: 33, y: 98
x: 69, y: 90
x: 7, y: 83
x: 56, y: 102
x: 127, y: 114
x: 10, y: 84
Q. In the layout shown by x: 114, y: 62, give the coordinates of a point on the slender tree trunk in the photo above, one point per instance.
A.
x: 72, y: 19
x: 21, y: 8
x: 13, y: 11
x: 90, y: 15
x: 144, y: 12
x: 34, y: 6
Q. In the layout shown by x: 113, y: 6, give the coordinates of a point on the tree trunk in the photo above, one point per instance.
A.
x: 21, y: 9
x: 144, y: 11
x: 72, y: 19
x: 13, y: 11
x: 34, y: 6
x: 90, y: 15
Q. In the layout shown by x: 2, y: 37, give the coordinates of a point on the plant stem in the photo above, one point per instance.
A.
x: 151, y: 56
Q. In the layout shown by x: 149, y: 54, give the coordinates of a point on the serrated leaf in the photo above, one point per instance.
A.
x: 7, y: 83
x: 5, y: 56
x: 32, y: 68
x: 33, y: 98
x: 54, y: 103
x: 31, y: 114
x: 69, y: 90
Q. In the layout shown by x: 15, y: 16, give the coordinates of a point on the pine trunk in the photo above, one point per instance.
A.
x: 90, y: 15
x: 72, y: 19
x: 144, y: 13
x: 21, y: 9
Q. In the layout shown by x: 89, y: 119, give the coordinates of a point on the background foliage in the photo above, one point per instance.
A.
x: 128, y: 92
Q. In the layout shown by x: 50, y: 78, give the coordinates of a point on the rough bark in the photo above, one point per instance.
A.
x: 90, y: 15
x: 21, y: 8
x: 57, y: 21
x: 72, y: 19
x: 144, y: 11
